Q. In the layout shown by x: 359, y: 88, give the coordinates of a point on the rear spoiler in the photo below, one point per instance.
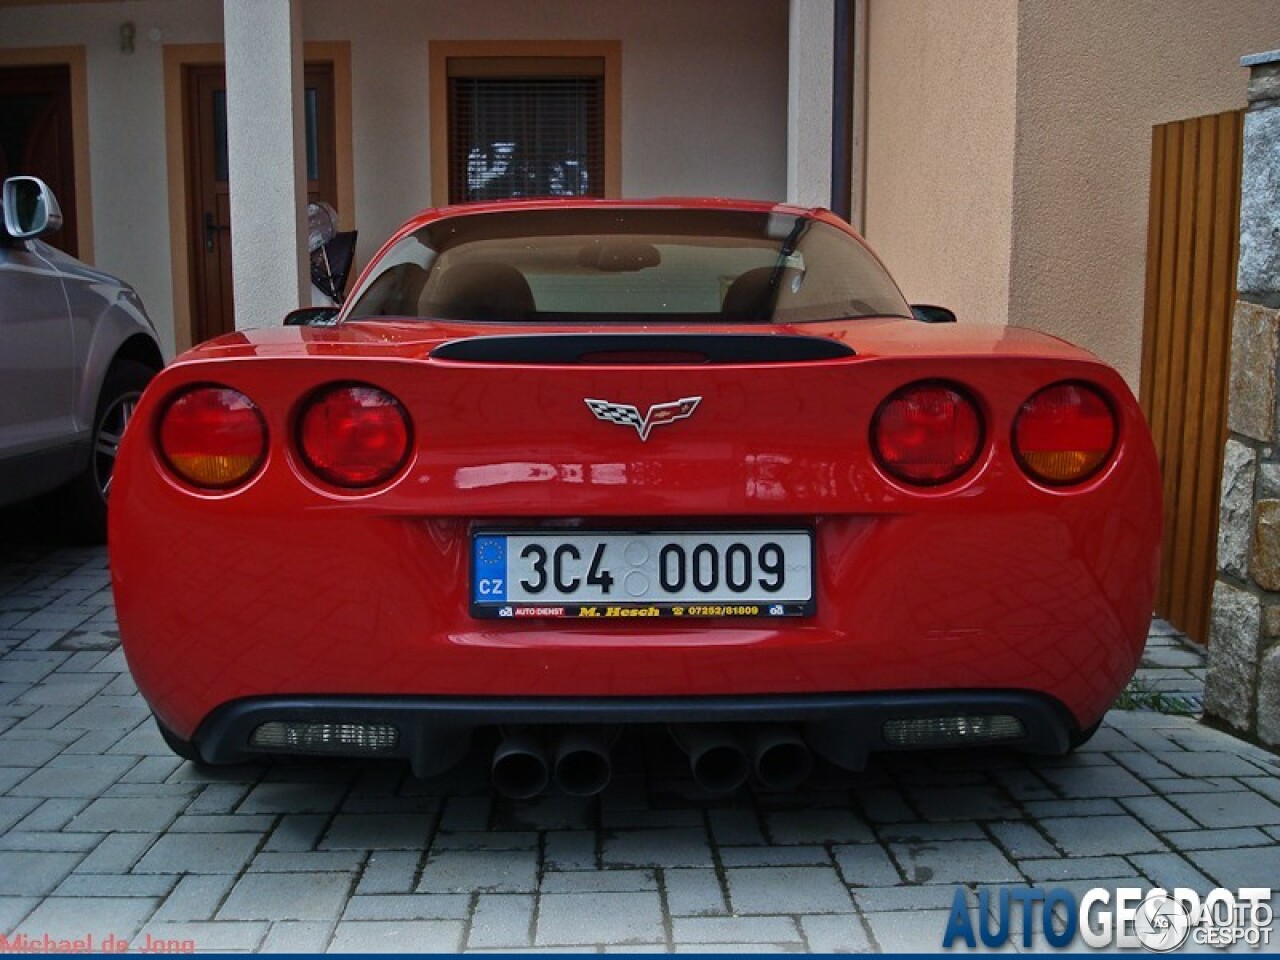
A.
x: 642, y: 348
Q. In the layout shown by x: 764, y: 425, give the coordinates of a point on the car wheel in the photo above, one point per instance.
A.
x: 87, y: 494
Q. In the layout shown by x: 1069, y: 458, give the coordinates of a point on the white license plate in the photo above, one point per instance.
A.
x: 617, y: 574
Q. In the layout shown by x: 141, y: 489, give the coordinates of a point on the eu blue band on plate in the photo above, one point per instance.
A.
x: 489, y: 585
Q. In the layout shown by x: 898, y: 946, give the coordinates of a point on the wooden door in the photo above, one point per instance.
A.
x: 36, y: 135
x: 1192, y: 246
x: 209, y: 182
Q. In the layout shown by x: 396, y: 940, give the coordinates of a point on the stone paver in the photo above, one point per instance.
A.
x: 103, y: 831
x: 199, y: 853
x: 287, y: 896
x: 568, y: 919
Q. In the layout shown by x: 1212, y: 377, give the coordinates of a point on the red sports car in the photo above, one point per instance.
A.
x: 557, y: 467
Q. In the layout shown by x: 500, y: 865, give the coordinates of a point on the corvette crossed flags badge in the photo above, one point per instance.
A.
x: 660, y: 413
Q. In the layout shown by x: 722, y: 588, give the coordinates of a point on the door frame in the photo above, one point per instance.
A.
x: 178, y: 56
x: 74, y: 59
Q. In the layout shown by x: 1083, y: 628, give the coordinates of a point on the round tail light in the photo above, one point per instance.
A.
x: 1064, y: 434
x: 212, y: 437
x: 927, y: 434
x: 351, y: 435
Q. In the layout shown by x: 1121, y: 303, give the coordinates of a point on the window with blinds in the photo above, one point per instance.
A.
x: 526, y: 127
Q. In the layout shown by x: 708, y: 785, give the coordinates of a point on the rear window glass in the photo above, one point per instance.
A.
x: 628, y: 265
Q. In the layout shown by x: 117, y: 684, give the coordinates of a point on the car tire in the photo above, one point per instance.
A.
x: 85, y: 497
x: 183, y: 748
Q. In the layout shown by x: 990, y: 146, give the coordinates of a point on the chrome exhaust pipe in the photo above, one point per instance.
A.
x: 520, y: 769
x: 780, y: 758
x: 582, y: 764
x: 716, y: 758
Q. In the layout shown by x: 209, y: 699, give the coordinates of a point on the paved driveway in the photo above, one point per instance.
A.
x: 103, y: 832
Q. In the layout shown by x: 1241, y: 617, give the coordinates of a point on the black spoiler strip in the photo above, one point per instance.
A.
x: 642, y: 348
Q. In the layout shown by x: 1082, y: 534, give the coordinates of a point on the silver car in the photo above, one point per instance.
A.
x: 76, y: 351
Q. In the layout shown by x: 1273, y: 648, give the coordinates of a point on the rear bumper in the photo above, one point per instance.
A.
x: 433, y: 732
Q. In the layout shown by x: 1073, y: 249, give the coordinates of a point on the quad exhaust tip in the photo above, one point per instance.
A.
x: 582, y: 765
x: 780, y: 758
x: 520, y: 769
x: 717, y: 759
x: 721, y: 759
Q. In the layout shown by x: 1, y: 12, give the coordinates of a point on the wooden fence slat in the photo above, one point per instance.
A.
x: 1150, y: 329
x: 1192, y: 246
x: 1163, y: 313
x: 1179, y: 332
x: 1197, y: 344
x: 1220, y: 305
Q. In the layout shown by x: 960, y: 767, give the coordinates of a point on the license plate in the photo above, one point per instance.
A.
x: 610, y: 575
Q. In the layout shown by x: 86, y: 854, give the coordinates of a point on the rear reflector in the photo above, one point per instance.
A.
x: 351, y: 435
x: 1064, y: 434
x: 949, y: 731
x: 212, y: 437
x: 927, y: 434
x: 326, y: 737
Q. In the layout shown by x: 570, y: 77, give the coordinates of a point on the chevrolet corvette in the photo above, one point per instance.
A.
x: 561, y: 467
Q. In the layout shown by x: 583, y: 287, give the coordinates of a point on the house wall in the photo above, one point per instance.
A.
x: 704, y: 101
x: 939, y: 149
x: 1009, y: 149
x: 1094, y: 76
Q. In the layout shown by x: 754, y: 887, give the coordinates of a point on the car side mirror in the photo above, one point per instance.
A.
x: 927, y: 313
x: 30, y: 208
x: 311, y: 317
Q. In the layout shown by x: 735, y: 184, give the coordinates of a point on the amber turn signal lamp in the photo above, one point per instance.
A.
x: 351, y: 435
x: 1064, y: 434
x: 927, y: 434
x: 212, y: 437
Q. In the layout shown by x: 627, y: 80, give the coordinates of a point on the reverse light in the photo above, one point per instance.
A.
x: 353, y: 435
x: 927, y: 433
x: 1064, y: 434
x: 212, y: 437
x: 304, y: 737
x: 946, y: 731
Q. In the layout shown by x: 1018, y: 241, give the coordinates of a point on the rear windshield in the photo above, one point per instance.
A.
x: 627, y: 266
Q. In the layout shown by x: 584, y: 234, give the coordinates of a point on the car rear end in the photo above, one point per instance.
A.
x: 846, y: 537
x: 294, y: 587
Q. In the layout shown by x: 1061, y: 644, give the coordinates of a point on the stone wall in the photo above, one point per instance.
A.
x: 1243, y: 687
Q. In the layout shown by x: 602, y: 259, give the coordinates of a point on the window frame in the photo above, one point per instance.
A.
x: 498, y: 58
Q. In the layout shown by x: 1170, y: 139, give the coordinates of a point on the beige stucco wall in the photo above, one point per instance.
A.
x: 1009, y: 148
x: 1094, y: 76
x: 704, y: 101
x: 939, y: 149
